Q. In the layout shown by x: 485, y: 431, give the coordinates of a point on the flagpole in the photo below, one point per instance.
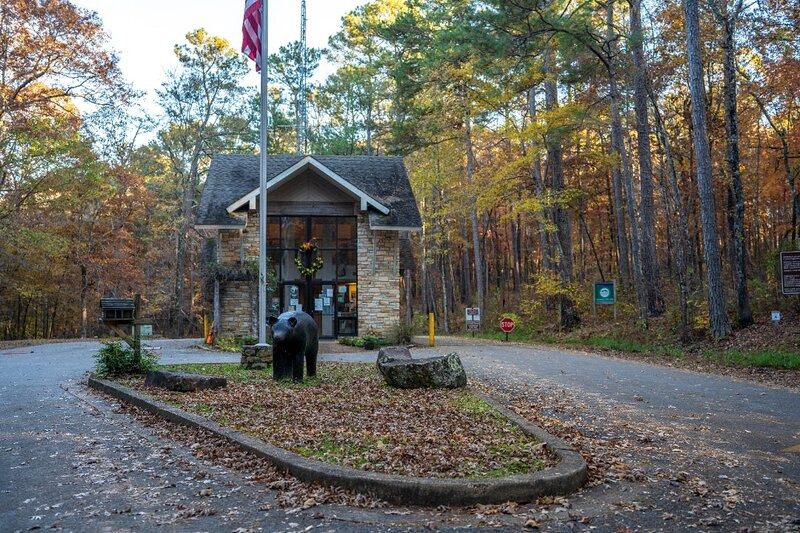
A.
x: 262, y: 193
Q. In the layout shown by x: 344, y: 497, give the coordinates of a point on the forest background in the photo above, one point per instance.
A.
x: 550, y: 144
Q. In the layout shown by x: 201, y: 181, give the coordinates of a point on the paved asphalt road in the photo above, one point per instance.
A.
x: 67, y: 460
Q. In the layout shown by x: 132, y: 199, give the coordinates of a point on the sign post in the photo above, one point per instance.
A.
x: 790, y: 273
x: 473, y: 319
x: 605, y: 293
x: 507, y: 326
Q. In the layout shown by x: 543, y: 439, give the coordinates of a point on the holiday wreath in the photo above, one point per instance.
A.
x: 308, y: 249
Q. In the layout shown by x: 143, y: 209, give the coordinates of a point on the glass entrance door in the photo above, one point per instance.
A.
x: 323, y: 311
x: 329, y: 295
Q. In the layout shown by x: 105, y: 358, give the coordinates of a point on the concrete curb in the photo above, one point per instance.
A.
x: 565, y: 477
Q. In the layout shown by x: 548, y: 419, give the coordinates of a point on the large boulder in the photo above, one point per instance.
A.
x: 443, y: 372
x: 389, y: 354
x: 183, y: 381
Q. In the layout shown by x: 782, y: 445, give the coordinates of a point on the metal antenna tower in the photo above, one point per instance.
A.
x: 302, y: 115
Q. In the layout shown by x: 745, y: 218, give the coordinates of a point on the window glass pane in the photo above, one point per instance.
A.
x: 273, y: 232
x: 328, y: 266
x: 288, y: 267
x: 293, y: 231
x: 274, y: 262
x: 346, y: 265
x: 323, y: 231
x: 346, y: 232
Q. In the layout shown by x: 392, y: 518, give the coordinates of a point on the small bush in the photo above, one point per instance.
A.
x: 234, y: 344
x: 116, y: 359
x: 368, y: 342
x: 358, y: 342
x: 401, y: 333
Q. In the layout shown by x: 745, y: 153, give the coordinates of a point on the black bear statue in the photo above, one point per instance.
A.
x: 294, y: 337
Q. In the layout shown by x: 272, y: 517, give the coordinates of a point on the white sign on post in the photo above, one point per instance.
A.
x: 473, y: 315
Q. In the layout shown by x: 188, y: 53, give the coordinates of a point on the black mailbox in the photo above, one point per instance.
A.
x: 117, y: 310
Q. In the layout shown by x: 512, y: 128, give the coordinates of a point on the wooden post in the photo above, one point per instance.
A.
x: 137, y: 338
x: 431, y: 333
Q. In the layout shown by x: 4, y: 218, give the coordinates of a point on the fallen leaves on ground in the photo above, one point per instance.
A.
x: 348, y: 416
x: 292, y: 492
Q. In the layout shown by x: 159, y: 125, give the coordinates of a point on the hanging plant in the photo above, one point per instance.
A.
x: 309, y: 249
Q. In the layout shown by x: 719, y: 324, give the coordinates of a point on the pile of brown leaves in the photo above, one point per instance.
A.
x: 216, y: 450
x: 349, y: 417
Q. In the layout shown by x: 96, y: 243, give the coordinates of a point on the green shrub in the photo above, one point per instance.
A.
x: 401, y: 333
x: 358, y: 342
x: 234, y: 344
x: 368, y: 342
x: 118, y: 359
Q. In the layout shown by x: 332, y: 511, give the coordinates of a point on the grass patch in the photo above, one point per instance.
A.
x: 757, y: 358
x: 332, y: 451
x: 348, y: 416
x: 472, y: 404
x: 232, y: 371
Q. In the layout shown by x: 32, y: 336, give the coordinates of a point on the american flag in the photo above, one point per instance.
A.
x: 251, y: 31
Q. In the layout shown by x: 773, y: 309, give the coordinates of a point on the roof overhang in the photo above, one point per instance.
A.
x: 365, y: 200
x: 411, y: 229
x: 219, y: 226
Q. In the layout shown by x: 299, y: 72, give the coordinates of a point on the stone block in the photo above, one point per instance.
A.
x: 183, y: 381
x: 444, y: 372
x: 256, y: 357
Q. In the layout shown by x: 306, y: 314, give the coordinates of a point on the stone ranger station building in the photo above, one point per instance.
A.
x: 336, y: 226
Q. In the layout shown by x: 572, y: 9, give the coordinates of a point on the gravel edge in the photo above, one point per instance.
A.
x: 565, y: 477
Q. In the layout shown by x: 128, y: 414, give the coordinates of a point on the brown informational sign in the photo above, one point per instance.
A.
x: 790, y: 273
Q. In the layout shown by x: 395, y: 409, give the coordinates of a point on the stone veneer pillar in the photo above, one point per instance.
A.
x: 378, y: 279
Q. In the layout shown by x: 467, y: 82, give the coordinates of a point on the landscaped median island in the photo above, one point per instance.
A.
x: 348, y: 417
x: 447, y: 444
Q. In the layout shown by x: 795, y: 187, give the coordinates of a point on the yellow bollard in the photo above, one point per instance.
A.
x: 206, y: 326
x: 431, y: 327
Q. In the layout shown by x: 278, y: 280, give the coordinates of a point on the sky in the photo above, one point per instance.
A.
x: 144, y: 32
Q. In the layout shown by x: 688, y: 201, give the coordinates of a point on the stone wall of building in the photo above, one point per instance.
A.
x: 230, y: 247
x: 378, y: 279
x: 238, y: 308
x: 250, y: 236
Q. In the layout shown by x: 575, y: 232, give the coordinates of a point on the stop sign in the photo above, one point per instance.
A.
x: 506, y: 325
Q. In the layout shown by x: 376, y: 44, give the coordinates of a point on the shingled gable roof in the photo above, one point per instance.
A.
x: 383, y: 180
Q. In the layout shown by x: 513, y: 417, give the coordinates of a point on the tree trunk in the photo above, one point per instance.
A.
x: 181, y: 243
x: 720, y: 326
x: 445, y: 303
x: 791, y: 178
x: 369, y: 127
x: 727, y: 20
x: 676, y: 210
x: 83, y: 294
x: 538, y: 188
x: 619, y: 217
x: 513, y: 227
x: 480, y: 280
x: 409, y: 296
x: 466, y: 275
x: 568, y: 313
x: 650, y: 273
x: 624, y: 165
